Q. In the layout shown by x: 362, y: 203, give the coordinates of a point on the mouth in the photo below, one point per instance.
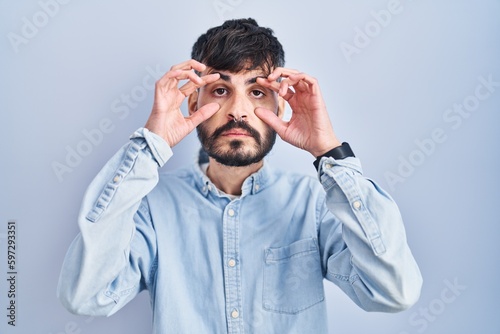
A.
x: 236, y: 130
x: 236, y: 133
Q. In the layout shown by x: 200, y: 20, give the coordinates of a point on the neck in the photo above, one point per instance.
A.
x: 230, y: 179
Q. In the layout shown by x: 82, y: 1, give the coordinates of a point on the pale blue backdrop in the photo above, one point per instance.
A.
x: 414, y: 86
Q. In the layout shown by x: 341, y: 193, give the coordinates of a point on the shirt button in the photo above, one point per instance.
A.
x: 231, y: 263
x: 356, y: 205
x: 235, y: 314
x: 328, y: 166
x: 231, y: 212
x: 257, y: 187
x: 116, y: 179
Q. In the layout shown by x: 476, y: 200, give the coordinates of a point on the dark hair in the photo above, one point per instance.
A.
x: 237, y: 45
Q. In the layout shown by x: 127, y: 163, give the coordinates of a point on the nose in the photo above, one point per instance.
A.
x: 239, y: 108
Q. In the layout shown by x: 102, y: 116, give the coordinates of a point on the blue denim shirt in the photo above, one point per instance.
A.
x: 252, y: 264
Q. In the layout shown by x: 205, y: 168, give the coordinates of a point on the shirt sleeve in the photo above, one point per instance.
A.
x: 363, y: 242
x: 110, y: 260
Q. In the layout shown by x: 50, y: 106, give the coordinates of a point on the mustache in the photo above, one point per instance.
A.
x: 237, y: 124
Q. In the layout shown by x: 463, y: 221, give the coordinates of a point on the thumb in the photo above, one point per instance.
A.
x: 270, y: 118
x: 203, y: 113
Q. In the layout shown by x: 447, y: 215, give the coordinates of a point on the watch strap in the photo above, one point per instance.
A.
x: 340, y: 152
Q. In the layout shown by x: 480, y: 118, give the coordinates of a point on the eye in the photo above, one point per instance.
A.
x: 220, y: 92
x: 258, y: 93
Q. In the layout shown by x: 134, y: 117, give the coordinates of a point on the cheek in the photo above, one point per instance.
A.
x: 202, y: 100
x: 209, y: 126
x: 205, y: 96
x: 270, y: 103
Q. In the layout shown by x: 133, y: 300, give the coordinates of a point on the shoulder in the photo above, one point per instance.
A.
x: 177, y: 179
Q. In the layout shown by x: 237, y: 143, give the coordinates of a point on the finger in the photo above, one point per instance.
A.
x: 303, y: 82
x: 209, y: 78
x: 288, y: 94
x: 299, y: 85
x: 171, y: 79
x: 189, y: 87
x: 273, y: 85
x: 188, y: 74
x: 281, y: 72
x: 298, y: 80
x: 272, y: 120
x: 284, y: 92
x: 284, y: 88
x: 189, y: 65
x: 202, y: 114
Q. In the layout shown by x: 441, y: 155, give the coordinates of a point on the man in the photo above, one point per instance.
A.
x: 232, y: 245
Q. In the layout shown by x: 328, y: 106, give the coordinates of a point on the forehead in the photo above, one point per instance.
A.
x: 242, y: 77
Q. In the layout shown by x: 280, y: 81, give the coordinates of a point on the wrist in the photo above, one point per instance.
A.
x: 156, y: 125
x: 325, y: 148
x: 339, y: 152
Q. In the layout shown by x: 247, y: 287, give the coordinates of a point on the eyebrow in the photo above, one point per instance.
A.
x: 250, y: 81
x: 224, y: 76
x: 254, y: 79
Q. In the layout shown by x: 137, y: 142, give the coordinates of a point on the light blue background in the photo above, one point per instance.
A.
x: 395, y: 91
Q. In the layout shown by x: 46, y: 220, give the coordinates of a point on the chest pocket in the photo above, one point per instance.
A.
x: 293, y: 280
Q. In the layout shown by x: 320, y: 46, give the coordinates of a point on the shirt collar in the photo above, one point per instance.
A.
x: 252, y: 185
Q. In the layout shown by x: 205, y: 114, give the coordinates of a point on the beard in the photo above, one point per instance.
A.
x: 237, y: 154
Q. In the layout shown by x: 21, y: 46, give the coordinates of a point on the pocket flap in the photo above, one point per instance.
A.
x: 298, y: 248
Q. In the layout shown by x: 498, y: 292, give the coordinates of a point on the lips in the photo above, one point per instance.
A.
x: 236, y: 132
x: 236, y: 129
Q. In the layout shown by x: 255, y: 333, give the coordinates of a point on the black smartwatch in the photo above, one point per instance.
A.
x: 340, y: 152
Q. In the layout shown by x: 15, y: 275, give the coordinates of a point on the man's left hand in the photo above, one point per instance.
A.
x: 309, y: 128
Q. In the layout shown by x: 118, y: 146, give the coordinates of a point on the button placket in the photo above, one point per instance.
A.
x: 232, y: 273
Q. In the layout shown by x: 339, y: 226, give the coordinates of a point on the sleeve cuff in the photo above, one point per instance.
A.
x: 330, y: 168
x: 159, y: 148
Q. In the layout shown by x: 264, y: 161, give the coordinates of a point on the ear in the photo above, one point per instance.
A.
x: 193, y: 102
x: 281, y: 107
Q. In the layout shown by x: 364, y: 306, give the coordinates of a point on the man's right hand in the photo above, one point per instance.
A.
x: 166, y: 119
